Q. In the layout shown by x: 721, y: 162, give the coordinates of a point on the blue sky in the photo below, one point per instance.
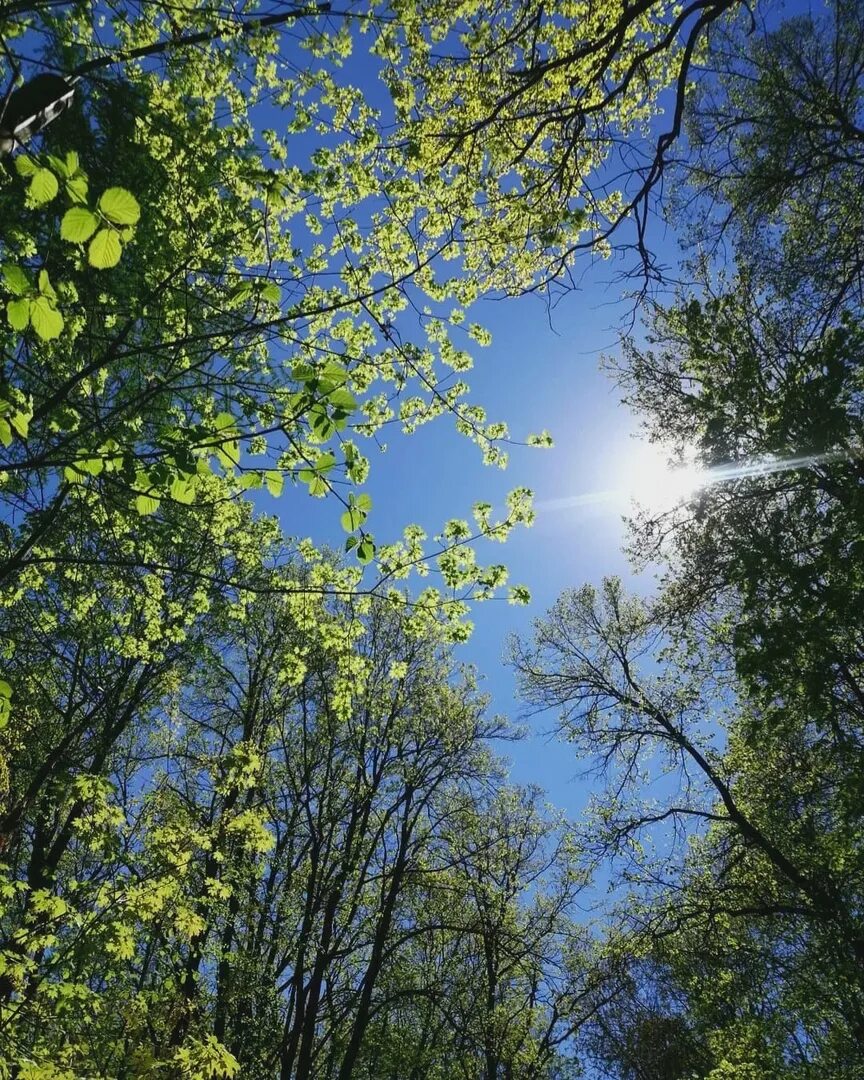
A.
x: 541, y: 371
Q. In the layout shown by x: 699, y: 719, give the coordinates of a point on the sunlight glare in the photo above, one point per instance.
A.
x: 655, y: 482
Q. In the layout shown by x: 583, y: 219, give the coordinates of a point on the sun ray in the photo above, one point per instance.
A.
x: 655, y: 484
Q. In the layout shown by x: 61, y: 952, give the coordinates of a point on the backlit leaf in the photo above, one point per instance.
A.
x: 120, y: 206
x: 43, y: 187
x: 78, y: 225
x: 18, y: 314
x: 105, y: 249
x: 46, y: 319
x: 16, y: 280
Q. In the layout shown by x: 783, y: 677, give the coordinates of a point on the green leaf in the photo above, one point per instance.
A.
x: 78, y: 225
x: 271, y: 292
x: 5, y: 433
x: 224, y: 421
x: 120, y: 206
x: 5, y: 702
x: 25, y: 166
x: 73, y: 474
x: 46, y: 319
x: 228, y: 454
x: 324, y: 463
x: 146, y: 504
x: 77, y: 188
x: 274, y: 480
x: 363, y: 502
x: 91, y: 466
x: 353, y: 518
x: 343, y: 399
x: 72, y: 163
x: 320, y: 422
x: 45, y: 286
x: 366, y: 550
x: 183, y: 490
x: 18, y: 314
x: 43, y: 187
x: 317, y: 484
x: 303, y: 372
x: 250, y: 480
x: 17, y: 281
x: 105, y: 249
x: 334, y: 372
x: 20, y: 422
x: 58, y: 165
x: 241, y: 292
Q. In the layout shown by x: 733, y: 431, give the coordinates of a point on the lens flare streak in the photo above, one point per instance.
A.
x: 659, y: 486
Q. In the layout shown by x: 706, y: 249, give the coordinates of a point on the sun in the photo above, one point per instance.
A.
x: 657, y: 481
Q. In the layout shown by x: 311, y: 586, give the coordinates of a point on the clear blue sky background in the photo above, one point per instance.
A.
x: 541, y: 371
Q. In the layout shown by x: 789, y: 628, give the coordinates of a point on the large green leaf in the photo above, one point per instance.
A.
x: 183, y: 490
x: 43, y: 187
x: 120, y: 206
x: 105, y: 249
x: 342, y: 399
x: 78, y: 225
x: 76, y: 188
x: 274, y: 480
x: 25, y: 166
x: 45, y: 286
x: 5, y: 702
x: 16, y: 280
x: 46, y: 319
x: 18, y: 314
x: 366, y: 550
x: 20, y: 422
x: 146, y: 504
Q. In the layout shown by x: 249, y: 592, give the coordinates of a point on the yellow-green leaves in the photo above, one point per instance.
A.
x: 18, y: 314
x: 146, y: 504
x: 365, y: 550
x: 274, y: 480
x: 17, y: 310
x: 14, y: 418
x: 114, y: 217
x: 46, y: 174
x: 358, y: 509
x: 271, y: 293
x: 147, y: 499
x: 119, y: 206
x: 228, y: 449
x: 205, y: 1059
x: 182, y: 490
x: 78, y: 225
x: 315, y: 475
x: 5, y: 703
x: 43, y: 187
x: 105, y: 249
x: 352, y: 520
x: 16, y: 280
x: 45, y: 319
x: 34, y: 306
x: 43, y: 184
